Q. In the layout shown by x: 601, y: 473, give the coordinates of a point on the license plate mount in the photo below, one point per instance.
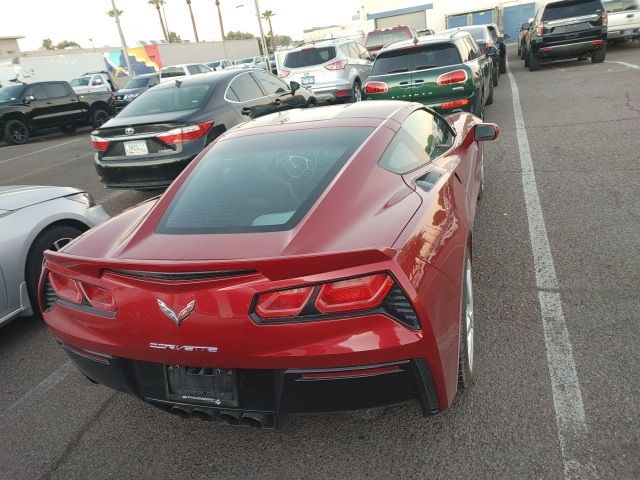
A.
x: 135, y: 147
x: 210, y: 385
x: 308, y: 80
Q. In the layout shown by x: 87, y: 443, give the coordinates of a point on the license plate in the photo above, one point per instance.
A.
x: 215, y: 386
x: 136, y: 147
x: 308, y: 80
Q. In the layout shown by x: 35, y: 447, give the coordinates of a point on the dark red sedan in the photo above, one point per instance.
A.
x: 310, y: 260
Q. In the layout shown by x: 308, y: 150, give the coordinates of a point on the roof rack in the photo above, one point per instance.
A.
x: 346, y: 37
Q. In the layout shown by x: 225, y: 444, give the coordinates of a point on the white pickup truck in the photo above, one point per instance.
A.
x: 624, y: 19
x: 92, y: 82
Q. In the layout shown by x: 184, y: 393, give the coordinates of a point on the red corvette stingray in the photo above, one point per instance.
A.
x: 311, y: 260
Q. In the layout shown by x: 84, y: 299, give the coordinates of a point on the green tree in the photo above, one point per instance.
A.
x: 158, y: 4
x: 283, y: 40
x: 67, y: 43
x: 112, y: 13
x: 193, y: 21
x: 268, y: 15
x: 238, y: 35
x: 48, y: 44
x: 174, y: 37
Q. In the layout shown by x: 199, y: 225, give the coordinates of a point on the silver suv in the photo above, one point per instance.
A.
x: 334, y: 70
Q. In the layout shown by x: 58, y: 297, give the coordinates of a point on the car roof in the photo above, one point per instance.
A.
x: 439, y: 37
x: 328, y: 42
x: 371, y: 112
x: 145, y: 75
x: 208, y: 78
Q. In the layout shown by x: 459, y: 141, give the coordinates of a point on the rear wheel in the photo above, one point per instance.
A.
x: 599, y: 55
x: 357, y: 92
x: 534, y: 63
x: 16, y: 132
x: 98, y: 117
x: 503, y: 64
x: 480, y: 107
x: 465, y: 356
x: 495, y: 78
x: 490, y: 98
x: 52, y: 238
x: 525, y: 55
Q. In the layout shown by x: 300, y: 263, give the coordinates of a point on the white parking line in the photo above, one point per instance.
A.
x: 40, y: 389
x: 630, y: 65
x: 41, y: 150
x: 567, y: 397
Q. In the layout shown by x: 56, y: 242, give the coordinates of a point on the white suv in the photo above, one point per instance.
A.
x: 334, y: 70
x: 624, y: 19
x: 176, y: 71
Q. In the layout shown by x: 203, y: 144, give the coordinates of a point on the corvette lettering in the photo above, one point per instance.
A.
x: 183, y: 348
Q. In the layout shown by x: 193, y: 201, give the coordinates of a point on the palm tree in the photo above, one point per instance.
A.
x: 268, y: 15
x: 112, y: 13
x: 157, y: 4
x: 220, y: 18
x: 193, y: 21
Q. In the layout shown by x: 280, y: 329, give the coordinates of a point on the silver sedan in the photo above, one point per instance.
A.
x: 34, y: 219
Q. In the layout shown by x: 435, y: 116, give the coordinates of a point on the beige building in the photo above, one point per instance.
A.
x: 9, y: 46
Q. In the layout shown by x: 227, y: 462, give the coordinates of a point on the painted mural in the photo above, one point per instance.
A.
x: 142, y: 59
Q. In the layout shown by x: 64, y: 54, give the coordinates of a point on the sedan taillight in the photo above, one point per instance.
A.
x: 99, y: 144
x: 185, y: 134
x: 283, y: 73
x: 79, y: 293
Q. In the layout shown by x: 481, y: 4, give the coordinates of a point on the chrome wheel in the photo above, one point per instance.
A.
x: 468, y: 314
x: 60, y: 243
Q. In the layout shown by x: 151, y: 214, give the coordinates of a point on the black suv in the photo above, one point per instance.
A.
x: 567, y: 29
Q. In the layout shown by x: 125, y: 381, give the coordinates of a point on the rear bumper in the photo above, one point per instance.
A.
x: 567, y: 50
x: 624, y: 33
x: 265, y: 395
x: 333, y: 94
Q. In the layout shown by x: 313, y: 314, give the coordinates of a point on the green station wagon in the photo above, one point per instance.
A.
x: 446, y: 72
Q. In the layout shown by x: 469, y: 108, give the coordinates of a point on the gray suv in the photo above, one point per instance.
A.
x: 334, y: 70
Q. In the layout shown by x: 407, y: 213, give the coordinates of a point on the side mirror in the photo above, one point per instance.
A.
x: 491, y: 51
x: 485, y: 131
x: 295, y: 86
x: 28, y: 99
x: 525, y: 26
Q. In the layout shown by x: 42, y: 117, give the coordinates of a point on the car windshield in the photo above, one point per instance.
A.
x: 309, y: 56
x: 260, y: 183
x: 245, y: 60
x: 11, y: 93
x: 139, y: 82
x: 173, y: 99
x: 569, y: 9
x: 422, y: 57
x: 80, y: 82
x: 172, y: 72
x: 614, y: 6
x: 380, y: 38
x: 213, y: 64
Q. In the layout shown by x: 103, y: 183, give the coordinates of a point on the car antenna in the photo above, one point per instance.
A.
x: 178, y: 82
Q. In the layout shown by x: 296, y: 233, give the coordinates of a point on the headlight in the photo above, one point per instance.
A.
x: 85, y: 198
x: 131, y: 96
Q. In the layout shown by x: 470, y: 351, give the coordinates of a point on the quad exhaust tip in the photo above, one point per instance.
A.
x: 231, y: 417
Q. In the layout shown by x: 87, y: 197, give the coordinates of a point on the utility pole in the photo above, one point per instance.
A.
x: 265, y: 52
x: 220, y: 19
x: 122, y: 41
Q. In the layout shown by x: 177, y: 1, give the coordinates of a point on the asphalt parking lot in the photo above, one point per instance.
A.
x: 581, y: 124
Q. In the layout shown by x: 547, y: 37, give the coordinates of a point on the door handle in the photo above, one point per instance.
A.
x: 404, y: 83
x: 246, y: 111
x: 277, y: 102
x: 418, y: 81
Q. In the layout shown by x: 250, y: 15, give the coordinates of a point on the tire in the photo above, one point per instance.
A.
x: 526, y: 58
x: 599, y: 55
x: 520, y: 51
x: 490, y: 97
x: 534, y: 63
x: 98, y: 117
x: 503, y: 65
x: 51, y: 238
x: 466, y: 373
x: 68, y: 129
x: 480, y: 107
x: 312, y: 104
x: 357, y: 92
x: 16, y: 132
x: 495, y: 80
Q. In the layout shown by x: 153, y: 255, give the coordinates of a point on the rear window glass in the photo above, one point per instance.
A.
x: 382, y: 38
x: 418, y: 58
x: 173, y: 99
x: 614, y: 6
x: 477, y: 33
x: 309, y: 56
x: 575, y: 8
x: 260, y: 183
x: 171, y: 72
x: 80, y: 82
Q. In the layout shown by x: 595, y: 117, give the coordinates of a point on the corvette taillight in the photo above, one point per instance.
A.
x: 185, y: 134
x: 285, y: 303
x: 361, y: 293
x: 79, y: 293
x: 342, y: 296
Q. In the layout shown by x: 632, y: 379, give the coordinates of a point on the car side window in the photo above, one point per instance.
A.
x: 271, y: 84
x: 353, y: 50
x: 364, y: 54
x: 192, y: 69
x: 345, y: 50
x: 37, y: 91
x: 153, y: 81
x: 97, y: 81
x: 202, y: 69
x: 464, y: 50
x: 473, y: 48
x: 422, y: 138
x: 57, y: 90
x: 246, y: 88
